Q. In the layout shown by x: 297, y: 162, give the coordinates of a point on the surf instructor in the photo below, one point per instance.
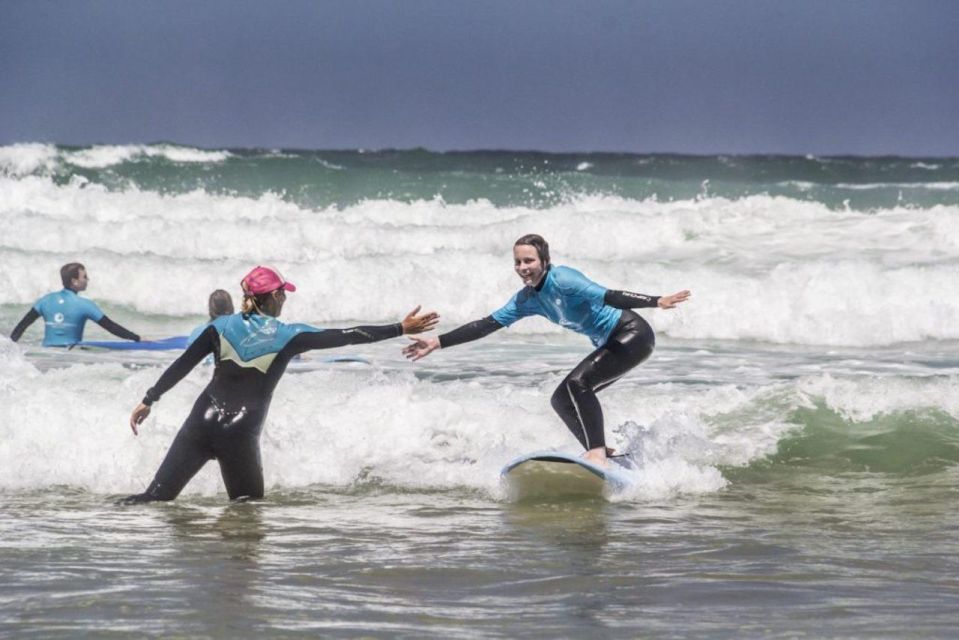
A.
x: 565, y: 296
x: 65, y: 313
x: 251, y: 351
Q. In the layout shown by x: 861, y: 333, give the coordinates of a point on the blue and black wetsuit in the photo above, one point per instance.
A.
x: 251, y: 352
x: 568, y: 298
x: 65, y: 314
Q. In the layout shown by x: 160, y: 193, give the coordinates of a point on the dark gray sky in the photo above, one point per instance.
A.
x: 710, y: 76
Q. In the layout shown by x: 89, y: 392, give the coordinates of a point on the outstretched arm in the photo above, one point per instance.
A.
x: 331, y: 338
x: 630, y: 300
x: 117, y: 330
x: 422, y: 347
x: 25, y: 322
x: 200, y: 348
x: 670, y: 301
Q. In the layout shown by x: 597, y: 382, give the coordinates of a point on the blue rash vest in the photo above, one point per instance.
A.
x: 251, y: 352
x: 569, y: 299
x: 64, y: 315
x: 253, y: 340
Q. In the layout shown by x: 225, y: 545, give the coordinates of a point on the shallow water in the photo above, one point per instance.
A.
x: 858, y: 557
x: 844, y: 528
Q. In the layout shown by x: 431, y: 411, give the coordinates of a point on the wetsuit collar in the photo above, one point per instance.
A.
x: 542, y: 281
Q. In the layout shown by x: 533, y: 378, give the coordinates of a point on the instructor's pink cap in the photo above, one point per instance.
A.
x: 264, y: 280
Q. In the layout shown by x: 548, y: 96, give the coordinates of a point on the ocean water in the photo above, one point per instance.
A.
x: 797, y: 428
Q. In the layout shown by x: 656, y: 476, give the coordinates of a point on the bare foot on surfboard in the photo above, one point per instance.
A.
x: 597, y: 456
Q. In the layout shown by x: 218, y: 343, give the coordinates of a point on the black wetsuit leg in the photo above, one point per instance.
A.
x: 242, y: 471
x: 237, y: 449
x: 191, y: 449
x: 631, y: 342
x: 212, y: 431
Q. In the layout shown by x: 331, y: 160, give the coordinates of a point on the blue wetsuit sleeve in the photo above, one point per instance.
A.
x: 92, y: 311
x: 330, y: 338
x: 203, y: 346
x: 25, y: 322
x: 469, y: 332
x: 629, y: 300
x: 510, y: 312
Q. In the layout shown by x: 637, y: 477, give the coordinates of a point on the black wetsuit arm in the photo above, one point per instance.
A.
x: 201, y: 347
x: 329, y: 338
x: 629, y: 300
x: 470, y: 331
x: 25, y: 322
x: 117, y: 330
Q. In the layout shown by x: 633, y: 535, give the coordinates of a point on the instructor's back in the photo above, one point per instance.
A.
x: 65, y: 313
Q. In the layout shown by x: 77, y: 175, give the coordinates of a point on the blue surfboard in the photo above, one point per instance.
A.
x: 164, y: 344
x: 553, y: 474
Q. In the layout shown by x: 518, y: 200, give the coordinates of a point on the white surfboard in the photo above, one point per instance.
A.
x: 552, y: 474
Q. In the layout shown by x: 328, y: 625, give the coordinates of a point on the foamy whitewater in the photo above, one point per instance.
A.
x: 802, y: 275
x: 819, y: 354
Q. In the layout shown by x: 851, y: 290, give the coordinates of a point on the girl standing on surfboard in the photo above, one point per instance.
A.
x: 565, y: 296
x: 251, y: 351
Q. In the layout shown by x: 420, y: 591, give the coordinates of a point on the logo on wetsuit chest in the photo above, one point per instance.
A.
x: 259, y: 337
x: 559, y: 309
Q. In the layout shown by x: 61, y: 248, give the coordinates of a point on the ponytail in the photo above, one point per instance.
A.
x: 253, y: 303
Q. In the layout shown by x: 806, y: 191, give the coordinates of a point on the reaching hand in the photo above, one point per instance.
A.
x: 670, y: 302
x: 421, y: 347
x: 413, y: 323
x: 139, y: 415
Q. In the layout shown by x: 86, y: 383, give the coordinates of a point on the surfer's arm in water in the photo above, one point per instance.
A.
x: 422, y: 347
x: 25, y: 322
x: 330, y: 338
x: 630, y: 300
x: 117, y: 330
x: 203, y: 346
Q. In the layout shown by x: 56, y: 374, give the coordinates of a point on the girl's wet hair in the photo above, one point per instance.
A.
x: 539, y: 243
x: 220, y: 304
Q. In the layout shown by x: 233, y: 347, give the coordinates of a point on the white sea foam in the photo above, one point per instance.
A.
x: 761, y: 268
x: 100, y: 157
x: 805, y: 185
x: 330, y: 165
x: 346, y: 426
x: 28, y: 158
x: 933, y: 186
x: 868, y: 397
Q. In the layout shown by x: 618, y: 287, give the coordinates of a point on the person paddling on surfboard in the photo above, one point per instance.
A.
x: 65, y: 313
x: 565, y: 296
x: 251, y: 351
